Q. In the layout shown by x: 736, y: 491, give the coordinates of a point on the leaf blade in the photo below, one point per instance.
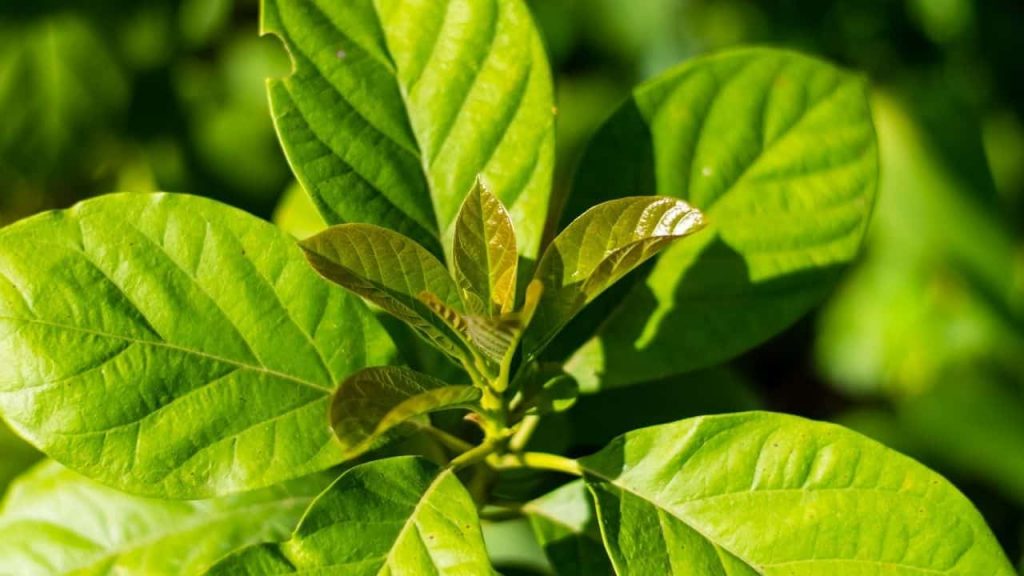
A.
x: 564, y: 522
x: 484, y: 254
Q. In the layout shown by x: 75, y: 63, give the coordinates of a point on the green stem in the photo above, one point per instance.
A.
x: 540, y: 461
x: 474, y: 455
x: 523, y: 434
x: 451, y: 442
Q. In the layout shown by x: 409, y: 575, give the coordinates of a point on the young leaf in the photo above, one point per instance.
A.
x: 778, y: 150
x: 393, y: 272
x: 597, y: 249
x: 760, y: 493
x: 172, y: 346
x: 57, y: 522
x: 565, y: 524
x: 484, y: 256
x: 395, y: 516
x: 375, y: 401
x: 395, y: 107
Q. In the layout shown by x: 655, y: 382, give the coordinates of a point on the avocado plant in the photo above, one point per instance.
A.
x: 216, y: 397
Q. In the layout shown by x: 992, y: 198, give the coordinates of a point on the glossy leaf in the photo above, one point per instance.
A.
x: 484, y: 256
x: 395, y: 516
x: 599, y: 248
x: 565, y: 523
x: 395, y: 107
x: 375, y: 401
x: 55, y: 521
x: 393, y: 272
x: 778, y: 151
x: 769, y: 494
x: 169, y: 345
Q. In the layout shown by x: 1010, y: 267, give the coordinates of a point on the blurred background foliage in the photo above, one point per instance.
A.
x: 922, y: 344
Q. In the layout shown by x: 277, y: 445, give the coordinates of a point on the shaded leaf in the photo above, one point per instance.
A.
x: 484, y: 257
x: 395, y: 516
x: 760, y: 493
x: 55, y: 521
x: 17, y: 456
x: 396, y: 106
x: 375, y: 401
x: 599, y: 248
x: 547, y: 388
x: 172, y: 346
x: 778, y: 151
x: 565, y: 523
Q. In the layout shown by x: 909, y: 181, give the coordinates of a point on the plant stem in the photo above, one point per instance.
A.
x: 451, y: 442
x: 476, y: 454
x: 539, y: 461
x: 523, y: 434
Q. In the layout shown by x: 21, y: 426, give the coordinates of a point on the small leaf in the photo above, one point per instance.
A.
x: 395, y: 516
x: 597, y: 249
x: 548, y: 389
x: 760, y: 493
x: 393, y: 272
x: 375, y: 401
x: 57, y: 522
x: 484, y: 254
x: 565, y: 524
x: 172, y: 346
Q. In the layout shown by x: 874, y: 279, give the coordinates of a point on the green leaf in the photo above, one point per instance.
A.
x: 172, y: 346
x: 599, y: 248
x: 296, y: 214
x: 565, y: 523
x: 17, y: 456
x: 395, y: 107
x: 484, y: 256
x: 395, y: 273
x: 778, y: 151
x: 547, y: 388
x: 57, y: 522
x: 375, y: 401
x: 395, y: 516
x: 760, y: 493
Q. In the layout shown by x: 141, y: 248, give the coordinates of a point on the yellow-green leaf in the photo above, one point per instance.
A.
x: 484, y: 256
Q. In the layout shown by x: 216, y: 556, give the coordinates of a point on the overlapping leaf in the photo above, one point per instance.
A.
x: 779, y: 152
x: 484, y: 258
x: 395, y: 516
x: 565, y: 524
x: 769, y: 494
x: 375, y: 401
x: 395, y: 107
x: 173, y: 346
x: 597, y: 249
x: 57, y: 522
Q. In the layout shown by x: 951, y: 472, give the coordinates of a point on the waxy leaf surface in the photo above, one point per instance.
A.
x: 375, y: 401
x: 778, y: 151
x: 55, y: 521
x: 172, y: 346
x: 484, y: 255
x: 399, y: 516
x: 768, y: 494
x: 395, y: 107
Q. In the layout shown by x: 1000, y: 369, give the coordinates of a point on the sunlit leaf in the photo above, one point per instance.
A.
x: 375, y: 401
x: 395, y: 107
x: 484, y: 256
x: 759, y: 493
x: 395, y: 516
x: 57, y: 522
x: 172, y: 346
x: 565, y: 524
x: 599, y: 248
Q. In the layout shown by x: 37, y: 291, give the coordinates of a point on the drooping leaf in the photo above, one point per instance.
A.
x: 393, y: 272
x: 599, y: 248
x: 565, y: 523
x: 172, y: 346
x: 396, y: 106
x: 395, y: 516
x: 770, y: 494
x: 484, y: 258
x: 778, y: 151
x: 375, y: 401
x: 55, y: 521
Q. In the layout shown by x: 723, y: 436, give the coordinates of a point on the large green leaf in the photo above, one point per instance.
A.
x: 57, y: 522
x: 17, y: 456
x: 169, y: 345
x: 778, y: 150
x: 395, y: 516
x: 565, y: 524
x: 599, y: 248
x: 395, y: 107
x: 484, y: 258
x: 760, y: 493
x: 395, y: 273
x: 375, y: 401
